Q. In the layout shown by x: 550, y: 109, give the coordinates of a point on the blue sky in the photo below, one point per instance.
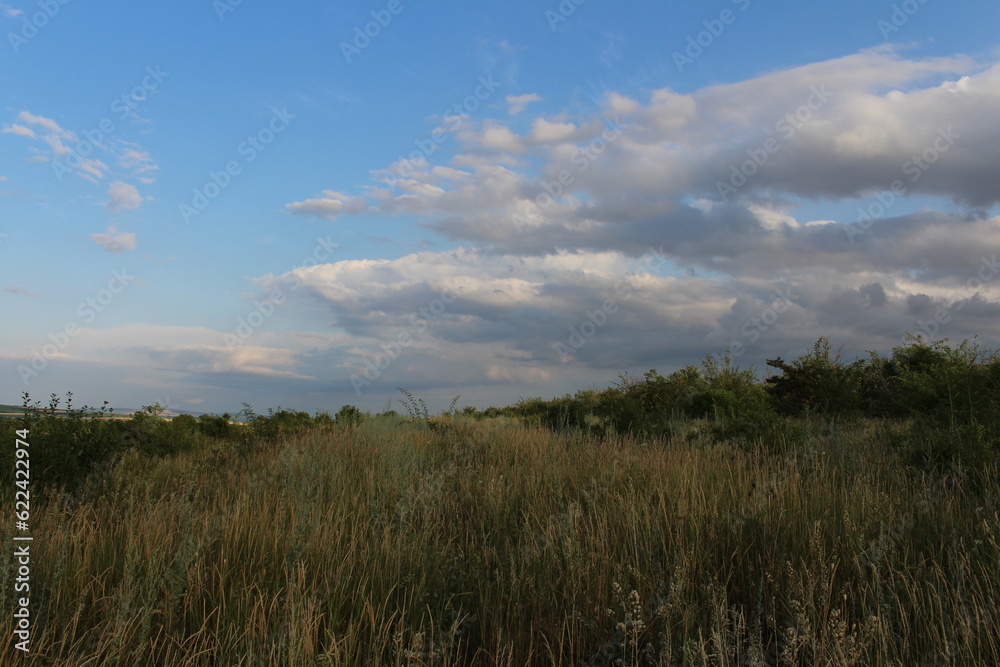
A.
x: 239, y: 167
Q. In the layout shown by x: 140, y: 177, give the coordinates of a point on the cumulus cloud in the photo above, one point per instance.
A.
x: 553, y: 218
x: 843, y: 129
x: 468, y: 316
x: 517, y: 307
x: 123, y: 197
x: 545, y: 131
x: 114, y: 242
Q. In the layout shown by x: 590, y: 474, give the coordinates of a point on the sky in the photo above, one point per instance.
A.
x: 308, y: 205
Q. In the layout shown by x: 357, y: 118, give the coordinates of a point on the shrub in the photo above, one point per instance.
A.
x: 349, y: 415
x: 950, y: 386
x: 215, y: 426
x: 818, y: 382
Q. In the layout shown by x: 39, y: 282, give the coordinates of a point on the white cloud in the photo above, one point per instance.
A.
x: 845, y: 129
x: 244, y: 360
x: 544, y: 131
x: 163, y: 352
x: 330, y: 205
x: 46, y: 124
x: 123, y: 197
x: 61, y: 144
x: 140, y: 163
x: 54, y: 136
x: 114, y: 242
x: 91, y: 169
x: 20, y: 130
x: 517, y: 103
x: 493, y: 136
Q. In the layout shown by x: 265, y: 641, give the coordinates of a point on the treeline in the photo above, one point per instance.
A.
x: 73, y: 446
x: 934, y: 381
x: 945, y: 400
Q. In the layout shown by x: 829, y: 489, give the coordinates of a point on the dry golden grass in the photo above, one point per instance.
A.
x: 495, y: 544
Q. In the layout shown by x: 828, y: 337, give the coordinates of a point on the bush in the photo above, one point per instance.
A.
x: 215, y: 426
x: 349, y: 415
x: 949, y: 386
x: 816, y: 383
x: 69, y: 444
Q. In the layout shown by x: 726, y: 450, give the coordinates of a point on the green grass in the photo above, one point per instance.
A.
x: 493, y: 543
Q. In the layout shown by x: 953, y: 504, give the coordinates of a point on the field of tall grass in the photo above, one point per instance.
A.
x: 460, y: 541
